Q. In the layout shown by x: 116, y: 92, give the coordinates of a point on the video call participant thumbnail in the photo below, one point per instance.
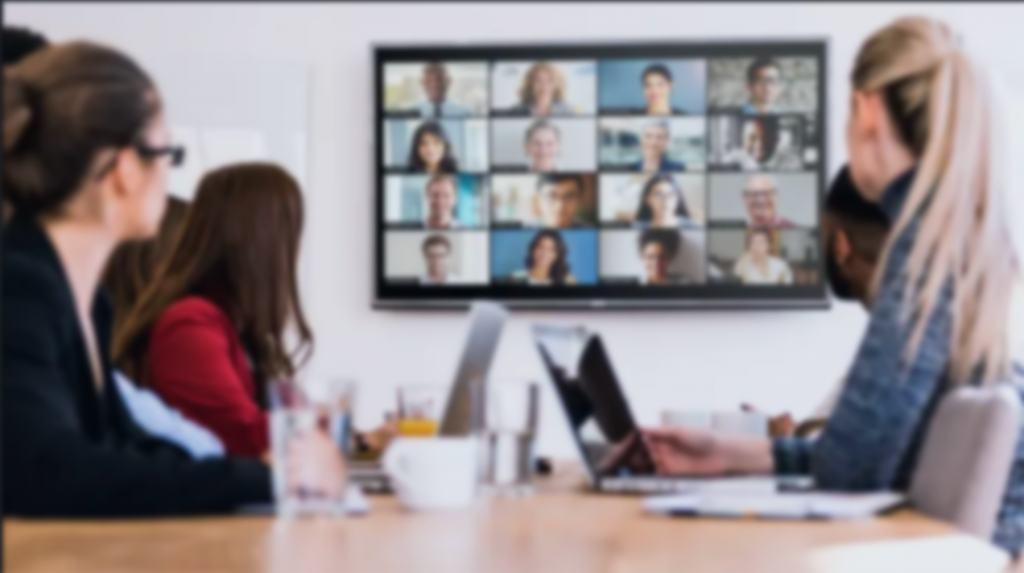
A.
x: 547, y: 257
x: 552, y: 200
x: 436, y: 258
x: 543, y: 88
x: 642, y: 200
x: 651, y: 87
x: 653, y: 257
x: 764, y: 85
x: 436, y: 146
x: 780, y: 201
x: 543, y: 145
x: 757, y: 265
x: 651, y: 145
x: 427, y: 90
x: 765, y: 257
x: 765, y: 143
x: 438, y: 201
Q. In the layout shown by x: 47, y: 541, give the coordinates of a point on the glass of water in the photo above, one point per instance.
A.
x: 310, y: 435
x: 510, y: 425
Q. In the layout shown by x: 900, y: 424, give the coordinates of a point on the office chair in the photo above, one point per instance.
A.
x: 965, y: 461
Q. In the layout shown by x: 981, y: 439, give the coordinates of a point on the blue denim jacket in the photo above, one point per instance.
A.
x: 872, y: 439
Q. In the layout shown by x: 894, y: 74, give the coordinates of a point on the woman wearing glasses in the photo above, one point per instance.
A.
x: 84, y: 178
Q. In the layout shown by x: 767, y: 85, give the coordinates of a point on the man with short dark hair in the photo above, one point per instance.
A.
x: 442, y: 197
x: 658, y: 248
x: 558, y: 201
x: 437, y: 254
x: 435, y: 82
x: 21, y: 42
x: 657, y: 83
x: 764, y: 86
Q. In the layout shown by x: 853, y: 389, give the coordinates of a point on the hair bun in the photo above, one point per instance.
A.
x: 17, y: 110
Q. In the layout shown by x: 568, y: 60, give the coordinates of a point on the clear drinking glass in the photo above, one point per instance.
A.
x: 310, y: 435
x: 510, y: 425
x: 420, y: 409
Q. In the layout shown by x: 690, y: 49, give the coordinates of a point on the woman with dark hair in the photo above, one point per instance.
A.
x: 208, y: 333
x: 662, y: 204
x: 658, y: 248
x: 431, y: 151
x: 83, y: 179
x: 546, y: 261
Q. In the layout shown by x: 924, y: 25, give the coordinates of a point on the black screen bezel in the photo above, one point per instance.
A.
x: 600, y: 296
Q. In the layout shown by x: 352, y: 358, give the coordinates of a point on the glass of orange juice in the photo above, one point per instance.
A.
x: 420, y: 409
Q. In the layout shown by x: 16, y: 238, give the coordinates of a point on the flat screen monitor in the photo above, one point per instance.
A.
x: 653, y: 175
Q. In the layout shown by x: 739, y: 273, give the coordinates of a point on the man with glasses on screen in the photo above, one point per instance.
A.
x: 764, y: 86
x: 435, y: 83
x: 760, y: 195
x: 437, y: 257
x: 557, y: 201
x: 441, y: 198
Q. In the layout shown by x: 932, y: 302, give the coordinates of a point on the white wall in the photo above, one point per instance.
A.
x: 778, y: 360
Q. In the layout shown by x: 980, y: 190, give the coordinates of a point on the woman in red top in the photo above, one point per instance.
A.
x: 208, y: 333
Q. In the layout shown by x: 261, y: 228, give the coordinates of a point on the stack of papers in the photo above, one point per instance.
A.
x: 775, y: 505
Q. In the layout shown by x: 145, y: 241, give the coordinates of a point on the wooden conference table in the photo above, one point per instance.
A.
x: 561, y: 529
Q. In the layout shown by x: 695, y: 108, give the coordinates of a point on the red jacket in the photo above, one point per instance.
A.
x: 198, y: 365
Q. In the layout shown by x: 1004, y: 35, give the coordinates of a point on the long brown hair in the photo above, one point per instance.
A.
x: 132, y: 266
x: 239, y: 246
x: 63, y: 106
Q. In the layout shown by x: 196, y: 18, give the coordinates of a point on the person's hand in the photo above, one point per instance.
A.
x: 315, y: 466
x: 630, y: 454
x: 686, y: 451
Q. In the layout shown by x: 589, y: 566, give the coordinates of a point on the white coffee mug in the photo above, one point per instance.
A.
x: 740, y: 423
x: 433, y: 473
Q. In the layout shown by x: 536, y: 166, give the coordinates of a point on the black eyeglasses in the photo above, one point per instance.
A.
x: 176, y: 153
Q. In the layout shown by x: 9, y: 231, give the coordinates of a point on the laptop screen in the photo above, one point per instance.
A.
x: 595, y: 406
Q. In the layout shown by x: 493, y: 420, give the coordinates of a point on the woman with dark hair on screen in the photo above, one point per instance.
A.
x: 658, y: 248
x: 431, y: 151
x: 657, y: 84
x: 546, y: 261
x: 542, y: 93
x: 208, y: 334
x: 84, y: 178
x: 662, y: 204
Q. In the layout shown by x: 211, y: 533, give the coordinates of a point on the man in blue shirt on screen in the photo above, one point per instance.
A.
x: 435, y: 82
x: 764, y: 86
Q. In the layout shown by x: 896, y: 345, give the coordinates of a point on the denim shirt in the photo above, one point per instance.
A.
x: 872, y: 439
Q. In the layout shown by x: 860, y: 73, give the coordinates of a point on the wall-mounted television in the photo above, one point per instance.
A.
x: 641, y: 175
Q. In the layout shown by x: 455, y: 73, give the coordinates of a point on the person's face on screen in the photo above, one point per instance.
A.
x: 759, y: 246
x: 766, y: 87
x: 754, y: 140
x: 656, y: 262
x: 544, y: 85
x: 759, y: 196
x: 431, y: 150
x: 545, y: 254
x: 435, y: 83
x: 558, y: 204
x: 438, y: 258
x: 543, y: 149
x: 657, y: 90
x: 663, y: 202
x: 654, y: 141
x: 441, y: 200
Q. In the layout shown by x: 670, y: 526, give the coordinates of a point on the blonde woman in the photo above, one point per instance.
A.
x: 758, y: 266
x: 542, y: 93
x: 923, y: 144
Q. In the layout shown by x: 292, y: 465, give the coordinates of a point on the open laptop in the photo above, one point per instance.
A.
x: 599, y: 418
x: 486, y: 322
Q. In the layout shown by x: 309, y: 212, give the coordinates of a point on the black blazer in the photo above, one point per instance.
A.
x: 69, y: 451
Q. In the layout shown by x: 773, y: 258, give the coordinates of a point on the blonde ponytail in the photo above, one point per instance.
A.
x: 943, y: 106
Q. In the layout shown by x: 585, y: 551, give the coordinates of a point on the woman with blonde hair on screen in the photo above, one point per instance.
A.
x: 542, y: 92
x: 924, y: 142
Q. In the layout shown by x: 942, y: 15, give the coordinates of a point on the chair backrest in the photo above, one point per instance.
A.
x: 966, y: 458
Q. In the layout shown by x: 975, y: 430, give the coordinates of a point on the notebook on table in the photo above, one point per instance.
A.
x: 776, y: 505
